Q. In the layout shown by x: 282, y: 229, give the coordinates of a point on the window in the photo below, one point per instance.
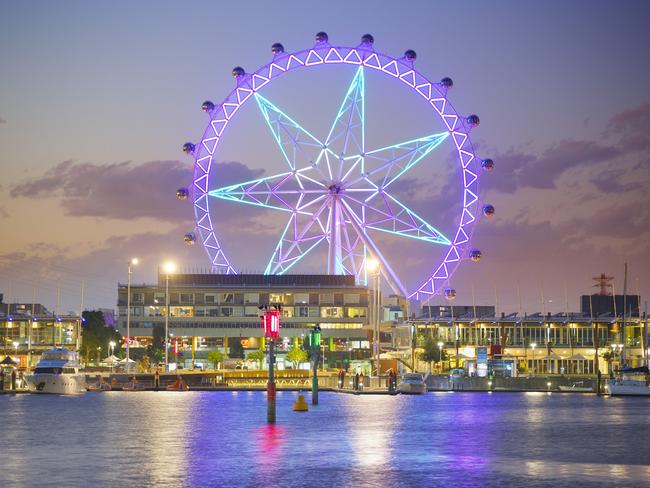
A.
x: 159, y: 298
x: 206, y: 312
x: 301, y: 298
x: 354, y: 312
x: 251, y: 311
x: 251, y: 298
x: 181, y: 311
x: 331, y: 312
x: 276, y: 298
x: 226, y: 311
x: 152, y: 311
x: 137, y: 297
x: 302, y: 311
x: 326, y: 298
x: 314, y: 312
x: 227, y: 298
x: 187, y: 298
x: 287, y: 311
x: 210, y: 298
x: 351, y: 298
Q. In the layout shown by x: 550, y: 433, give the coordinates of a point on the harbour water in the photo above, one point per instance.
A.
x: 214, y: 439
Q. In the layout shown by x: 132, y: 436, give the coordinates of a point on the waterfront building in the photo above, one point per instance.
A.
x: 572, y: 343
x: 26, y: 330
x: 213, y: 311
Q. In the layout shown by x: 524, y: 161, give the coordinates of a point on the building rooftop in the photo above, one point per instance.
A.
x: 256, y: 280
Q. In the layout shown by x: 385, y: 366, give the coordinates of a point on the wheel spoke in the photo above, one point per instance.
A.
x: 300, y: 236
x: 347, y: 134
x: 297, y: 145
x: 386, y: 165
x: 288, y: 192
x: 384, y: 213
x: 385, y: 268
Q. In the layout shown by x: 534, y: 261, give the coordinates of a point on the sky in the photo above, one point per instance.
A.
x: 96, y: 100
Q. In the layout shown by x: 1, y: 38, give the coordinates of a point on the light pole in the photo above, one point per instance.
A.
x: 440, y: 344
x: 99, y: 353
x: 169, y: 267
x: 111, y: 347
x: 133, y: 261
x: 16, y: 344
x: 373, y: 267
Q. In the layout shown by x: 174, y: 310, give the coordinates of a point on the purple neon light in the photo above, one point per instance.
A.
x: 400, y: 69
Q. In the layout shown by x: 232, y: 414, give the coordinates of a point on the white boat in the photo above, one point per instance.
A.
x: 412, y: 383
x: 578, y: 386
x: 58, y: 373
x: 631, y: 382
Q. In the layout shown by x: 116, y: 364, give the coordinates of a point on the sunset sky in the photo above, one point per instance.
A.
x: 96, y: 99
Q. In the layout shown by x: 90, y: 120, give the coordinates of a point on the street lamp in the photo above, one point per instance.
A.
x: 373, y: 267
x: 169, y: 267
x: 16, y: 344
x: 133, y: 261
x: 99, y: 352
x: 111, y: 346
x: 440, y: 344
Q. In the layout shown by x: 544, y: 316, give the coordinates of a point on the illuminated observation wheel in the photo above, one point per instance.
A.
x: 336, y: 191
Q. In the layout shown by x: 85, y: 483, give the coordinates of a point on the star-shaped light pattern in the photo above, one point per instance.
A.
x: 336, y: 191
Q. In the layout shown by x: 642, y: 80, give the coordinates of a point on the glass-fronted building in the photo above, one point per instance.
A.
x: 26, y: 330
x: 210, y: 311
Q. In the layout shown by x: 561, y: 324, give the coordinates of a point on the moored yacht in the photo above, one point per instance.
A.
x: 57, y: 372
x: 630, y: 382
x: 412, y: 383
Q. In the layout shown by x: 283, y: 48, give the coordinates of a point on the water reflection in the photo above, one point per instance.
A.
x: 221, y: 439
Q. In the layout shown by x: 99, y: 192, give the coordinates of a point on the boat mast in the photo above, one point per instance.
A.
x: 624, y: 315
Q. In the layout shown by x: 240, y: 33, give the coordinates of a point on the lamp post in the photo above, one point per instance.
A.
x: 99, y: 353
x: 16, y: 344
x: 440, y: 344
x: 169, y: 267
x: 111, y: 347
x: 133, y: 261
x: 373, y: 267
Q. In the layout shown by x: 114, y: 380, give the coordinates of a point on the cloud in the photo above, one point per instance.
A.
x: 634, y: 128
x: 124, y: 191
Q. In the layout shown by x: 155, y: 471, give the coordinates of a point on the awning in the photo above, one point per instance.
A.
x: 8, y: 361
x: 124, y: 361
x: 111, y: 360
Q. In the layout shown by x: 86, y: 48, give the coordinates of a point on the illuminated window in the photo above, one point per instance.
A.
x: 331, y: 312
x: 276, y: 298
x: 354, y: 312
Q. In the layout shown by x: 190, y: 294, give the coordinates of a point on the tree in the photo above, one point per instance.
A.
x: 95, y: 334
x: 256, y: 356
x: 143, y: 365
x: 216, y: 357
x: 296, y: 356
x: 431, y: 353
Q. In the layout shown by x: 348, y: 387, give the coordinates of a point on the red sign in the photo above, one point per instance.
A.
x: 271, y: 324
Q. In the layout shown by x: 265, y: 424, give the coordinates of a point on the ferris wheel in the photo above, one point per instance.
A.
x: 336, y: 190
